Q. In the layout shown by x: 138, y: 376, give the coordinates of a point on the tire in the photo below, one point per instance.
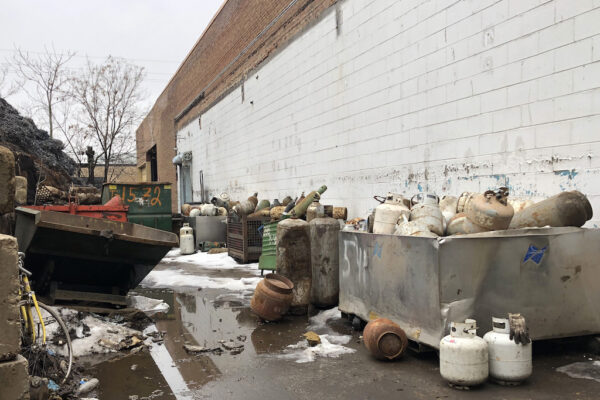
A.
x: 31, y: 351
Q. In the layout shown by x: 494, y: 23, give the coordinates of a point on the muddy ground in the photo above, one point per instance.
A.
x: 202, y: 312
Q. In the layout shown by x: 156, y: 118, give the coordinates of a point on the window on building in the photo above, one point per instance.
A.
x: 151, y: 159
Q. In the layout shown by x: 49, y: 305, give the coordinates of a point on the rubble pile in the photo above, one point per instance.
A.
x: 38, y: 157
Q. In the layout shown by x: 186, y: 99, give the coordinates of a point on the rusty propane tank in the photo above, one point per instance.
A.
x: 564, y: 209
x: 385, y: 339
x: 272, y: 297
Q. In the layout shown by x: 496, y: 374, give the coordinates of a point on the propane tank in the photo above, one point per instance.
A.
x: 195, y: 212
x: 565, y: 209
x: 286, y: 200
x: 490, y: 210
x: 186, y: 240
x: 293, y: 261
x: 246, y: 207
x: 425, y: 209
x: 413, y: 228
x: 325, y: 261
x: 262, y: 204
x: 315, y: 210
x: 464, y: 356
x: 388, y: 213
x: 209, y: 210
x: 448, y: 209
x: 520, y: 204
x: 222, y: 212
x: 302, y: 205
x: 185, y: 209
x: 510, y: 363
x: 460, y: 224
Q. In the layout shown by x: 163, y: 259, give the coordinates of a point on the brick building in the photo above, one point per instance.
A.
x: 376, y: 96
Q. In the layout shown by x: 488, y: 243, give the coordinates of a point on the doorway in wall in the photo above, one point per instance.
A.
x: 151, y: 159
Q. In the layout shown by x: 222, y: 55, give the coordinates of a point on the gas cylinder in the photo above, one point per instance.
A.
x: 222, y: 211
x: 209, y: 210
x: 510, y: 363
x: 186, y: 240
x: 325, y: 261
x: 448, y: 208
x: 414, y: 228
x: 565, y: 209
x: 460, y: 224
x: 462, y: 200
x: 388, y: 213
x: 464, y: 355
x: 315, y: 210
x: 302, y: 205
x: 293, y: 260
x: 286, y: 200
x: 262, y: 204
x: 246, y: 207
x: 490, y: 210
x: 520, y: 204
x: 195, y: 212
x: 425, y: 209
x: 185, y: 209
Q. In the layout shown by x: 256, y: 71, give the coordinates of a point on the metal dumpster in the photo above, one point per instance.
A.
x: 77, y: 258
x: 550, y: 275
x: 149, y: 203
x: 208, y: 229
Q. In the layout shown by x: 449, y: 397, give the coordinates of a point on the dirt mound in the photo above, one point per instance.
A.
x: 38, y: 157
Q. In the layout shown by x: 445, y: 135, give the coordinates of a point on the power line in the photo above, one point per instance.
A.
x: 88, y: 56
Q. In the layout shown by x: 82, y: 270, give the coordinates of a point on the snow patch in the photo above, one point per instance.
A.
x: 207, y: 261
x: 319, y: 321
x: 179, y: 278
x: 331, y: 346
x: 583, y: 370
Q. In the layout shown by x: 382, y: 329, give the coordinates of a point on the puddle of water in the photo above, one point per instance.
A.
x: 583, y: 370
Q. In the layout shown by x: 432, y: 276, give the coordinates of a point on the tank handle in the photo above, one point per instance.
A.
x: 380, y: 197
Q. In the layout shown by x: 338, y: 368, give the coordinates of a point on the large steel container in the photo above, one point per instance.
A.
x: 294, y: 260
x: 272, y: 297
x: 548, y: 274
x: 325, y: 262
x: 149, y: 203
x: 565, y: 209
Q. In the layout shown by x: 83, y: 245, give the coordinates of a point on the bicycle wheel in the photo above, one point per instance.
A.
x: 42, y: 361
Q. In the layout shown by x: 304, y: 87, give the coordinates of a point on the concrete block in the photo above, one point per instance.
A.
x: 10, y: 325
x: 15, y: 379
x: 7, y: 180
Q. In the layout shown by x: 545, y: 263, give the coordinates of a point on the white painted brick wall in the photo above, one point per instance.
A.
x: 415, y: 95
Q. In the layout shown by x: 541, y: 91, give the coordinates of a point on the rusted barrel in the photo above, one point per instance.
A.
x: 293, y: 261
x: 564, y: 209
x: 385, y: 339
x: 340, y: 213
x: 272, y: 297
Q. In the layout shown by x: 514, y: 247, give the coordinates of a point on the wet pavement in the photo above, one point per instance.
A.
x: 267, y: 367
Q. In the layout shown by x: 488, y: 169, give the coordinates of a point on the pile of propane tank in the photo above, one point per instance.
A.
x: 504, y: 354
x: 252, y: 207
x: 427, y: 215
x: 467, y: 360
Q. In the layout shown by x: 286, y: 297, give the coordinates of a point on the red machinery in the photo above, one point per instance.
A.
x: 113, y: 210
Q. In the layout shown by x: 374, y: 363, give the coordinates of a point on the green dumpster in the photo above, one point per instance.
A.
x: 149, y: 203
x: 269, y: 247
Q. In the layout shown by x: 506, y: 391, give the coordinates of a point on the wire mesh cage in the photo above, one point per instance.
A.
x: 244, y: 239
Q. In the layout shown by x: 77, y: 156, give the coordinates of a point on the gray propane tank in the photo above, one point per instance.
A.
x: 293, y: 261
x: 325, y: 261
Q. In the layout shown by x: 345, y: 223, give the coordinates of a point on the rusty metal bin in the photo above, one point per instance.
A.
x: 244, y: 240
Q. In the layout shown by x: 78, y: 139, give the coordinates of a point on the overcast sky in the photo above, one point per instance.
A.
x: 152, y: 33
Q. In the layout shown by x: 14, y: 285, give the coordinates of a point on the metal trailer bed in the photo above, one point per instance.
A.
x: 550, y: 275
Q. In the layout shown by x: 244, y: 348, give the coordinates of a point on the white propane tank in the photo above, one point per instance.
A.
x: 426, y: 210
x: 388, y: 213
x: 510, y: 363
x: 463, y: 356
x: 209, y: 210
x: 194, y: 212
x: 186, y: 240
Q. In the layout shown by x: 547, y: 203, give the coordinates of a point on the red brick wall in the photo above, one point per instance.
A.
x: 233, y: 28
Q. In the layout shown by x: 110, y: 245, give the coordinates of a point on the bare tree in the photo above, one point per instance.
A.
x: 48, y: 75
x: 7, y: 88
x: 110, y: 96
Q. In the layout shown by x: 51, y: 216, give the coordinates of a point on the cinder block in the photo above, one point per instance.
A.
x: 9, y: 313
x: 15, y: 379
x: 7, y: 180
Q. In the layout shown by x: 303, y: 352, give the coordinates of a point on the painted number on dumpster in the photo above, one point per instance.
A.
x: 150, y: 196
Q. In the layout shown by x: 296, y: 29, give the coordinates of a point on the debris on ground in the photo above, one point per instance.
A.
x: 201, y: 349
x: 87, y: 386
x: 232, y: 346
x: 312, y: 338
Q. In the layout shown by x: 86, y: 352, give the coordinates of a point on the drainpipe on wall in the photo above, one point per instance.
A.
x: 177, y: 161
